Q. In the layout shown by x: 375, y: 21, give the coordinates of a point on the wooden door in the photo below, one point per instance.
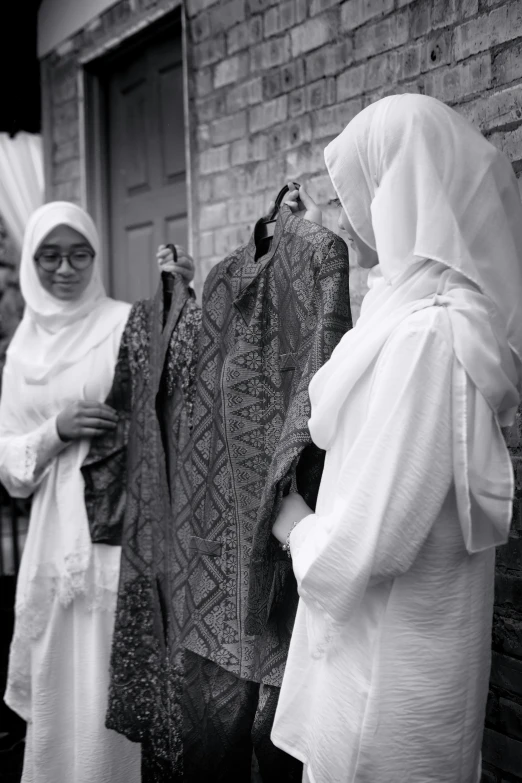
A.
x: 147, y: 187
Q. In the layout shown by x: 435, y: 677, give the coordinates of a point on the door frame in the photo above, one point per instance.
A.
x: 94, y: 149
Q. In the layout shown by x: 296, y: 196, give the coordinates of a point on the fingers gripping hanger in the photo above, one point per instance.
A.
x: 168, y: 284
x: 265, y: 228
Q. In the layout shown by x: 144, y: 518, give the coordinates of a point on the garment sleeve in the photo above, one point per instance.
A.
x: 393, y: 481
x: 25, y: 457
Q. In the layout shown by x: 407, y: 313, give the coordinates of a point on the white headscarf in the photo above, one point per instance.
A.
x: 53, y: 333
x: 418, y: 182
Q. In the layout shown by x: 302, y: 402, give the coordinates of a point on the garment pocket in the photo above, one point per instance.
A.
x: 205, y: 546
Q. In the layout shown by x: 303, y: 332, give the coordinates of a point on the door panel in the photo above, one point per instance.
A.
x: 147, y: 192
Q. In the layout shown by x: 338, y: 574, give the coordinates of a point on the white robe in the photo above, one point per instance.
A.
x: 67, y: 587
x: 388, y: 682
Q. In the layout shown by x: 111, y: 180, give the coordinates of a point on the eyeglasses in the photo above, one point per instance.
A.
x: 79, y: 260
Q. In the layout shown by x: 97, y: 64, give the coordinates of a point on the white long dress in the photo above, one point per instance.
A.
x: 67, y: 587
x: 387, y: 674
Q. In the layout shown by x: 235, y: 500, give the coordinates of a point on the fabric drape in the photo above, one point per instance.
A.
x: 441, y: 206
x: 21, y: 181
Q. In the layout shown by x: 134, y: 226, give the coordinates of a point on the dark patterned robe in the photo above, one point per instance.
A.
x: 268, y: 326
x: 154, y: 381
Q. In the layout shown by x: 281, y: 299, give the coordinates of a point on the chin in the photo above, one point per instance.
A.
x: 66, y: 295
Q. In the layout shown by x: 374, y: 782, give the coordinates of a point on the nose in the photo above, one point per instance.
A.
x: 65, y: 268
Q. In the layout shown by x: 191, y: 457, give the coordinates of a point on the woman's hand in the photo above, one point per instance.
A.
x: 293, y: 509
x: 303, y: 205
x: 184, y: 265
x: 84, y: 419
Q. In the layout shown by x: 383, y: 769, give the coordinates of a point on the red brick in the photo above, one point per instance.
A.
x: 332, y: 120
x: 495, y: 110
x: 351, y: 82
x: 330, y: 60
x: 196, y: 6
x: 502, y: 752
x: 66, y: 151
x: 508, y: 590
x: 232, y: 70
x: 321, y: 188
x: 209, y: 51
x: 227, y: 14
x: 507, y: 635
x: 381, y: 71
x: 510, y: 718
x: 200, y: 28
x: 206, y: 243
x: 500, y: 25
x: 229, y: 238
x: 462, y: 80
x: 257, y: 6
x: 409, y: 61
x: 381, y: 36
x: 248, y: 149
x: 270, y: 54
x: 65, y: 122
x: 320, y: 93
x: 246, y: 208
x: 212, y: 216
x: 229, y: 128
x: 284, y: 15
x: 355, y: 13
x: 268, y: 114
x: 318, y: 6
x: 291, y: 134
x: 510, y: 142
x: 263, y: 175
x: 204, y: 191
x: 229, y: 183
x: 64, y: 83
x: 214, y: 159
x: 297, y: 102
x: 510, y: 555
x: 210, y: 108
x: 420, y: 19
x: 67, y: 191
x: 204, y: 82
x: 285, y: 79
x: 66, y: 171
x: 244, y: 95
x: 311, y: 35
x: 306, y: 160
x: 437, y: 51
x: 203, y: 136
x: 245, y: 34
x: 507, y: 64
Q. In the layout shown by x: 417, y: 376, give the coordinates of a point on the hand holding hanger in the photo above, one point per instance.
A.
x: 175, y: 259
x: 303, y: 205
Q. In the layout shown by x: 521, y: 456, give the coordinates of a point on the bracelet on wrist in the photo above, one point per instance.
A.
x: 286, y: 546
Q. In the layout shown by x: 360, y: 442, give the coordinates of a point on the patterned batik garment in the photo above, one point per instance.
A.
x: 158, y: 361
x: 268, y: 326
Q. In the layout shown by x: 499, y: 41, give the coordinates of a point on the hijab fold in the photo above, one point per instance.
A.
x: 441, y: 207
x: 55, y: 334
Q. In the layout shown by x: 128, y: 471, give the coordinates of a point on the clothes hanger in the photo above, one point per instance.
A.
x: 265, y: 227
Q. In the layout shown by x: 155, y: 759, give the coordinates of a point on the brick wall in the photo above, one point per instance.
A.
x: 293, y: 73
x: 270, y: 83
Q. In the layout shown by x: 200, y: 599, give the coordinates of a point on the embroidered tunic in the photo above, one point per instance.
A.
x: 268, y: 326
x: 154, y: 382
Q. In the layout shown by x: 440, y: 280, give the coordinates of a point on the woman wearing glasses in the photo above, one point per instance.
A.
x: 59, y: 369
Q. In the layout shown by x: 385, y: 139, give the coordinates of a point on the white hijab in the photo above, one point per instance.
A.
x: 56, y: 334
x: 441, y: 206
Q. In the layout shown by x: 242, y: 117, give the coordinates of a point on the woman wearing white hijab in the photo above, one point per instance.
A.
x: 59, y: 369
x: 387, y: 675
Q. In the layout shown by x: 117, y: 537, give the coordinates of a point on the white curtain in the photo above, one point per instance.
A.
x: 21, y: 181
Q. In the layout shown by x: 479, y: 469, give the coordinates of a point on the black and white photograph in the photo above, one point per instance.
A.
x: 261, y: 391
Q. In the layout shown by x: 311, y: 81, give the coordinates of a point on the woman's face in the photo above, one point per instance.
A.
x: 365, y: 255
x: 65, y: 282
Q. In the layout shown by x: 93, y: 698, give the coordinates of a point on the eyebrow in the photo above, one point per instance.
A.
x: 334, y: 202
